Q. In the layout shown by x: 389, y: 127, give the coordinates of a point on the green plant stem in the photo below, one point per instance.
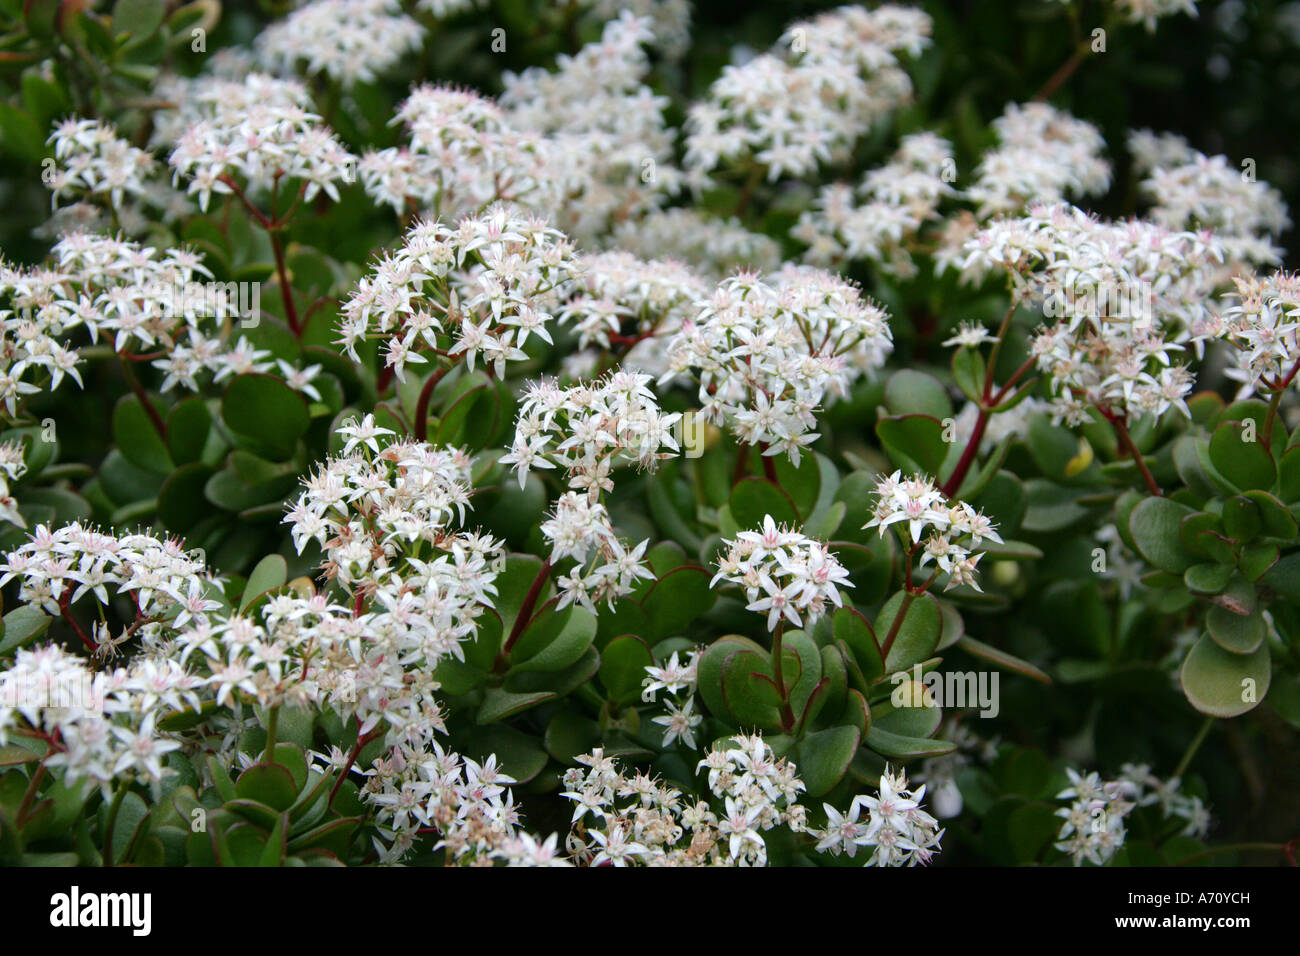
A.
x: 111, y: 823
x: 747, y: 191
x: 29, y: 795
x: 778, y: 670
x: 1275, y: 402
x: 1194, y: 746
x: 271, y: 724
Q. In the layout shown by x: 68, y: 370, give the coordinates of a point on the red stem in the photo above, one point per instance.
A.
x: 421, y: 423
x: 525, y: 613
x: 1126, y: 440
x: 1064, y: 73
x: 286, y: 293
x: 64, y: 600
x: 159, y: 425
x: 949, y: 487
x: 908, y: 598
x: 769, y: 466
x: 362, y: 740
x: 742, y: 464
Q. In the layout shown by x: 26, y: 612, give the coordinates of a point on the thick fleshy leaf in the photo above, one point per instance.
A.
x: 499, y: 703
x: 265, y: 412
x: 188, y: 424
x: 854, y: 630
x: 914, y: 442
x: 1154, y: 525
x: 753, y: 499
x: 968, y: 372
x: 269, y: 784
x: 917, y: 633
x: 22, y: 625
x: 749, y: 691
x: 823, y: 758
x: 554, y: 640
x: 623, y: 663
x: 271, y: 572
x: 139, y: 441
x: 1276, y: 517
x: 1003, y: 659
x: 1241, y: 456
x: 181, y: 500
x: 677, y: 599
x: 1222, y: 684
x: 1288, y: 475
x: 896, y: 747
x: 1238, y: 633
x: 709, y: 670
x: 570, y: 734
x: 909, y: 392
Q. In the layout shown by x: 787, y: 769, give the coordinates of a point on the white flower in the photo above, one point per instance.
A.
x: 785, y: 574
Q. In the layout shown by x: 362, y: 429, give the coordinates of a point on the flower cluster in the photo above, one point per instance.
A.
x: 102, y: 726
x: 464, y: 154
x: 376, y: 37
x: 477, y: 289
x: 260, y: 130
x: 678, y: 679
x: 766, y: 353
x: 1093, y: 829
x: 1044, y: 154
x: 1190, y: 190
x: 587, y: 429
x: 956, y: 529
x: 145, y: 302
x: 1263, y: 323
x: 167, y: 585
x: 896, y: 829
x: 791, y: 110
x: 383, y: 516
x: 12, y: 467
x: 1123, y: 297
x: 422, y: 789
x: 785, y: 573
x: 604, y: 569
x: 638, y: 820
x: 612, y: 151
x: 897, y: 199
x: 93, y: 160
x: 625, y: 300
x: 716, y: 247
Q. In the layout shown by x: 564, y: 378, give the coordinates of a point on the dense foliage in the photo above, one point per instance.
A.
x: 607, y: 433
